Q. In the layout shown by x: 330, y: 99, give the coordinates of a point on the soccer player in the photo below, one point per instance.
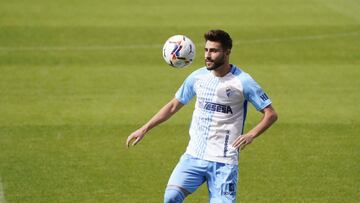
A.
x: 216, y: 132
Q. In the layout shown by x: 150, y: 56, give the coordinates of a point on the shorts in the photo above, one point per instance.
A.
x: 191, y: 172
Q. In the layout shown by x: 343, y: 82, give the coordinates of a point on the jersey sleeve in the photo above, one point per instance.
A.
x: 254, y: 93
x: 186, y: 92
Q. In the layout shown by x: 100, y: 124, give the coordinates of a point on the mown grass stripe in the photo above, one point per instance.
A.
x: 2, y: 193
x: 150, y: 46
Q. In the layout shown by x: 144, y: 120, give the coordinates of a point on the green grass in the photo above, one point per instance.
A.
x: 77, y: 77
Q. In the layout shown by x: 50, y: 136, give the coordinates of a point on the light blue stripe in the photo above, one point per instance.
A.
x: 213, y: 83
x: 203, y: 124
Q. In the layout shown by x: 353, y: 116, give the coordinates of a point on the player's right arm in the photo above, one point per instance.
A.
x: 164, y: 114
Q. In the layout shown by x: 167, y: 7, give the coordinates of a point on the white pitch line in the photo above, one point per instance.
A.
x: 151, y: 46
x: 2, y: 194
x: 299, y: 38
x: 78, y: 48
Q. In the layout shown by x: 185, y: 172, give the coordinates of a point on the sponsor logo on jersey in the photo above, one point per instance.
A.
x: 218, y: 107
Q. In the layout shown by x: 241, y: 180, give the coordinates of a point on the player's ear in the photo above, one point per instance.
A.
x: 228, y: 52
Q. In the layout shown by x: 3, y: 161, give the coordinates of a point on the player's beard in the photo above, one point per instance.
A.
x: 216, y: 63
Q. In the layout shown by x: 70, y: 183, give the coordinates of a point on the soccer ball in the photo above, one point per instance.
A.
x: 179, y: 51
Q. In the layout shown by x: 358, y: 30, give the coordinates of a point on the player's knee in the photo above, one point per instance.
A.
x: 173, y: 196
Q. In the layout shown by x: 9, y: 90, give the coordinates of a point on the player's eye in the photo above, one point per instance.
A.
x: 212, y: 50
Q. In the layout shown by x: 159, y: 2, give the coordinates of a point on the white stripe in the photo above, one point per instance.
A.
x: 2, y: 194
x: 78, y: 48
x: 299, y: 38
x: 157, y: 46
x: 349, y: 8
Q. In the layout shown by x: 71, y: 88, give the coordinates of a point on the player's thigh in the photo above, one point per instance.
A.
x: 188, y: 174
x: 222, y: 183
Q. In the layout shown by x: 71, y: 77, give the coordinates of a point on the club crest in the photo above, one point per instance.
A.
x: 229, y: 92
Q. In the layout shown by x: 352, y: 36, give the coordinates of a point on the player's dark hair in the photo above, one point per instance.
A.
x: 219, y: 36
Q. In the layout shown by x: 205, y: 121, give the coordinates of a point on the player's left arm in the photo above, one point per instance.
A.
x: 269, y: 118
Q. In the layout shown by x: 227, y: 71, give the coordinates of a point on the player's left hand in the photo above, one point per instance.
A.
x: 242, y: 141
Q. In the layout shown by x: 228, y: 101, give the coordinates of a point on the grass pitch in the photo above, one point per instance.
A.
x: 76, y: 77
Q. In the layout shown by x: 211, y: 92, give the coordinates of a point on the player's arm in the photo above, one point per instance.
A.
x: 269, y: 117
x: 164, y: 114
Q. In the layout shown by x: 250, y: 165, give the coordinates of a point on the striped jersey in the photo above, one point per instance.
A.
x: 220, y: 111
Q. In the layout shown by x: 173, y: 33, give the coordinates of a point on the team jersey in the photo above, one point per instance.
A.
x: 220, y: 111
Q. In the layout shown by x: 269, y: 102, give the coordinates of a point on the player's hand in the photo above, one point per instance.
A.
x: 242, y: 141
x: 135, y: 137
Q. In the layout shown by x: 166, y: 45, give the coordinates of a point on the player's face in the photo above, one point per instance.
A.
x: 215, y: 56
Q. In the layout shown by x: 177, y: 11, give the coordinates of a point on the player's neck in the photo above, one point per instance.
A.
x: 222, y: 70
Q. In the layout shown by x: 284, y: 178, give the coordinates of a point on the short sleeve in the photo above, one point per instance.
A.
x: 186, y: 92
x: 254, y: 93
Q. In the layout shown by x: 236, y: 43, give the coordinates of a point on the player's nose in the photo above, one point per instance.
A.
x: 207, y: 54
